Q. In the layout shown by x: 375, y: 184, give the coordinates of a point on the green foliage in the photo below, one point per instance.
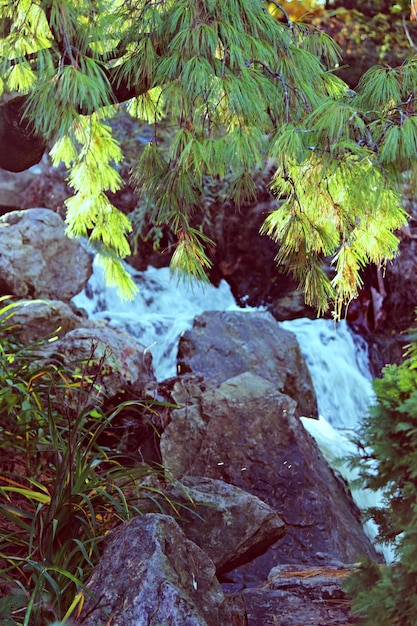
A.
x: 388, y: 463
x: 238, y: 87
x: 61, y: 489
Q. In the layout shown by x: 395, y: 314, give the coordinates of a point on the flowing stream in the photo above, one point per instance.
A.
x: 336, y: 357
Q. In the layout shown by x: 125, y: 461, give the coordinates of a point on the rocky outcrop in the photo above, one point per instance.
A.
x: 39, y: 320
x: 109, y: 356
x: 247, y: 434
x: 37, y: 260
x: 151, y: 574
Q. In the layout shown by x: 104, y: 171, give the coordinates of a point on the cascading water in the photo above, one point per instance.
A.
x: 161, y: 311
x: 337, y: 359
x: 338, y: 363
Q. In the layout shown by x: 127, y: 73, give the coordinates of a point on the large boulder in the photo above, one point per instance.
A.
x: 116, y: 369
x: 222, y: 345
x: 150, y: 573
x: 247, y: 433
x: 37, y: 260
x: 229, y: 524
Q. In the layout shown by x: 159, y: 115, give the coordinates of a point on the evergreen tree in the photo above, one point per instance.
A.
x: 239, y: 87
x: 387, y: 595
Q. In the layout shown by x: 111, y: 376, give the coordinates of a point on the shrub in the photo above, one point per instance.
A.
x: 387, y: 595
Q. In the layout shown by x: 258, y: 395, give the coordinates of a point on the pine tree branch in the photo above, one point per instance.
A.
x: 285, y: 14
x: 22, y: 147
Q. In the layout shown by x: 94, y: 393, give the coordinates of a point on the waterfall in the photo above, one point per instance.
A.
x: 160, y: 312
x: 337, y: 358
x: 338, y: 362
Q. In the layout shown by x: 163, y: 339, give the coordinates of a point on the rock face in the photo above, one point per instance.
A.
x: 246, y: 432
x: 222, y: 345
x: 150, y: 573
x: 13, y: 187
x: 37, y: 260
x: 229, y: 524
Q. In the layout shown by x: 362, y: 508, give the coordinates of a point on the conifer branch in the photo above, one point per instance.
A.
x: 286, y: 86
x: 285, y: 14
x: 25, y: 147
x: 239, y: 87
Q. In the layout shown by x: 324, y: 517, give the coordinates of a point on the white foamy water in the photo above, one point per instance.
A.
x: 161, y: 311
x: 339, y: 367
x: 338, y: 363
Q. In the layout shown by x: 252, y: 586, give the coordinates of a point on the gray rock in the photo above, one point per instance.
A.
x: 13, y: 186
x: 37, y: 260
x: 222, y: 345
x: 115, y: 361
x: 150, y: 574
x: 229, y: 524
x: 247, y: 434
x: 36, y: 320
x: 294, y: 596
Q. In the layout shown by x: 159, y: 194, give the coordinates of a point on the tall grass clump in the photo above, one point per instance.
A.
x: 61, y: 489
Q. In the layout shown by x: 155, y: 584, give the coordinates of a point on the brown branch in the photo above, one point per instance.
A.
x: 407, y: 34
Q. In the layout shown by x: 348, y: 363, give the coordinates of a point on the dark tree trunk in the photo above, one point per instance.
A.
x: 21, y: 147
